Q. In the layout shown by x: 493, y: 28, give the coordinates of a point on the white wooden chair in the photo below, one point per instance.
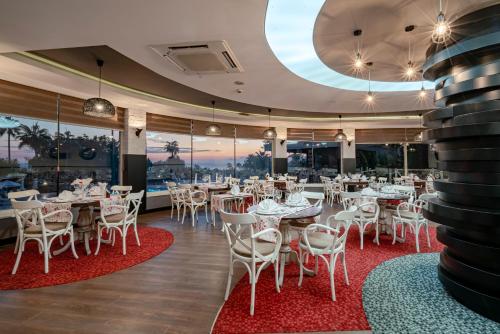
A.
x: 320, y: 244
x: 382, y: 180
x: 246, y: 248
x: 122, y: 221
x: 193, y: 200
x: 410, y: 214
x: 23, y: 195
x: 365, y: 215
x: 32, y: 226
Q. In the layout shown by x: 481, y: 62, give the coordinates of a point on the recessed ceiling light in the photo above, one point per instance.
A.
x: 239, y: 83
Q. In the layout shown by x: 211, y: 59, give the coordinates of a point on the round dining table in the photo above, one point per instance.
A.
x: 298, y: 218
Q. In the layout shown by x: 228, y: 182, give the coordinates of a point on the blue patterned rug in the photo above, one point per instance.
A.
x: 404, y: 295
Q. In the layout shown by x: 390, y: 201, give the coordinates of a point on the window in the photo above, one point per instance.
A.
x: 419, y: 159
x: 310, y: 159
x: 213, y: 156
x: 253, y: 158
x: 169, y: 159
x: 380, y: 159
x: 29, y: 156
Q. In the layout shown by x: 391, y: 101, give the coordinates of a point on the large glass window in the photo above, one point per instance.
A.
x: 169, y: 159
x: 213, y: 156
x: 379, y: 159
x: 309, y: 159
x: 253, y: 158
x: 29, y: 156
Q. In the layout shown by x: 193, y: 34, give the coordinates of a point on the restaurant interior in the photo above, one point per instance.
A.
x: 265, y: 166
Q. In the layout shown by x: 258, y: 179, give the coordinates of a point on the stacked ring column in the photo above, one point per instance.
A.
x: 465, y: 132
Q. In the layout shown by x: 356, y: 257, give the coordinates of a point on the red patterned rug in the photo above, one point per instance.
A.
x: 310, y: 308
x: 64, y: 268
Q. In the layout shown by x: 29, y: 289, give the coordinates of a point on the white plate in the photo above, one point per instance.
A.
x: 267, y: 212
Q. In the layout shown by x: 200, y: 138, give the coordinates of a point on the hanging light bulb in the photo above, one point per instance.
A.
x: 358, y: 63
x: 442, y: 30
x: 269, y: 133
x: 422, y: 94
x: 97, y: 106
x: 410, y: 68
x: 213, y: 129
x: 340, y: 136
x: 369, y: 96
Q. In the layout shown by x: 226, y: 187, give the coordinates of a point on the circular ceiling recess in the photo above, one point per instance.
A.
x: 314, y: 39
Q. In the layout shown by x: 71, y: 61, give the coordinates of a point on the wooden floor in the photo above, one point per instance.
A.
x: 179, y: 291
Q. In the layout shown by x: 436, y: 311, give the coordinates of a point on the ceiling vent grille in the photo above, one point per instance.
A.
x: 201, y: 57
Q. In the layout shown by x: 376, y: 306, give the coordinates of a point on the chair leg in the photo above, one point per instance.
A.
x: 16, y: 248
x: 72, y: 241
x: 179, y: 211
x: 183, y: 213
x: 113, y: 232
x: 276, y: 274
x: 332, y: 278
x: 301, y: 266
x: 252, y: 297
x: 345, y: 269
x: 206, y: 213
x: 316, y: 264
x: 417, y: 230
x: 99, y: 232
x: 361, y: 236
x: 124, y: 239
x: 45, y: 256
x: 192, y: 215
x: 18, y: 257
x: 427, y: 233
x: 229, y: 278
x: 394, y: 231
x: 136, y: 234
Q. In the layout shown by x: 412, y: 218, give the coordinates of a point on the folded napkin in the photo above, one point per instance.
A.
x: 66, y: 195
x: 99, y: 189
x: 81, y: 183
x: 235, y: 189
x: 389, y: 190
x: 369, y: 192
x: 268, y: 205
x: 346, y: 178
x: 338, y: 177
x: 295, y: 199
x: 363, y: 178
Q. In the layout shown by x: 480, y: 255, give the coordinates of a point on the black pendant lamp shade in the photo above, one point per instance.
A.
x: 97, y: 106
x: 269, y: 133
x: 213, y: 129
x: 340, y: 136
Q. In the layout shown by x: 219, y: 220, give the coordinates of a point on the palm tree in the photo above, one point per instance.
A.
x: 11, y: 132
x: 35, y: 137
x: 172, y: 147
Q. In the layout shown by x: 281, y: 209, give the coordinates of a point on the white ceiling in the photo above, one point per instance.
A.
x: 130, y: 26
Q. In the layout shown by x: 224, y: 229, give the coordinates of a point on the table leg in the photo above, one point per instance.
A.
x: 287, y: 254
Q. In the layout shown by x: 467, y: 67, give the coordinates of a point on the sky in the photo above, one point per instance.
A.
x: 207, y: 151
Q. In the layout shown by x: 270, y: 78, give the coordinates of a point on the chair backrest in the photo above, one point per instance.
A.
x: 341, y: 221
x: 319, y: 197
x: 134, y: 201
x: 350, y: 199
x: 27, y: 212
x: 237, y: 227
x: 369, y: 211
x: 28, y: 195
x: 382, y: 180
x: 121, y: 190
x: 427, y: 197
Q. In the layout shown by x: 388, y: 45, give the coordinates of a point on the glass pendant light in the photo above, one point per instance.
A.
x: 213, y: 129
x: 97, y: 106
x: 269, y: 133
x: 442, y: 30
x: 340, y: 136
x: 410, y: 70
x: 358, y: 64
x: 369, y: 96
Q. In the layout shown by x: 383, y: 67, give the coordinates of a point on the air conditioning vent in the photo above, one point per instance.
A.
x: 200, y: 57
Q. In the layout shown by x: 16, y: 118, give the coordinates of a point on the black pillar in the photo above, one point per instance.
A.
x: 466, y: 134
x: 135, y: 174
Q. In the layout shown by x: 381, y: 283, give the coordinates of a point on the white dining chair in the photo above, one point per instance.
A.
x: 193, y: 200
x: 32, y: 226
x: 246, y: 248
x: 350, y: 199
x: 120, y: 222
x: 365, y: 215
x: 23, y: 195
x: 411, y: 215
x: 321, y: 240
